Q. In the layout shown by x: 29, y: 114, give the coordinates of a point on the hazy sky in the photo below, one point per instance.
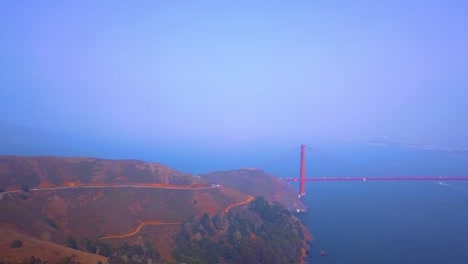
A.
x: 233, y: 72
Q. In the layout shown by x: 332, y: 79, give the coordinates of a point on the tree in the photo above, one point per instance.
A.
x: 25, y: 188
x: 51, y: 223
x: 150, y: 251
x: 205, y: 221
x: 125, y: 248
x: 116, y: 260
x: 147, y: 244
x: 89, y: 246
x: 104, y: 250
x: 67, y: 260
x: 16, y: 244
x: 136, y: 250
x: 34, y: 260
x: 71, y: 242
x: 263, y: 233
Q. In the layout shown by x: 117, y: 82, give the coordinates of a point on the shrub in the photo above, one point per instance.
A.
x: 16, y: 244
x: 71, y: 242
x: 51, y: 223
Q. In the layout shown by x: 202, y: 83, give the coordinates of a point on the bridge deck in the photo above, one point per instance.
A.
x: 392, y: 178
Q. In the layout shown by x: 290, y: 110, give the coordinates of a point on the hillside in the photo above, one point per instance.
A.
x: 115, y: 208
x: 34, y: 172
x: 258, y: 183
x: 111, y: 215
x: 40, y: 249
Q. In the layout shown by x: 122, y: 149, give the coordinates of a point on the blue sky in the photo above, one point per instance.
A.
x: 231, y: 73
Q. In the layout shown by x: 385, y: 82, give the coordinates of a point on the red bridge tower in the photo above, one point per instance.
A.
x: 302, y: 182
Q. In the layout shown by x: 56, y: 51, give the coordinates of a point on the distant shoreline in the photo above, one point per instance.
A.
x: 427, y: 147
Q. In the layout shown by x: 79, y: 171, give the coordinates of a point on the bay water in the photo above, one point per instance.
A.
x: 390, y: 222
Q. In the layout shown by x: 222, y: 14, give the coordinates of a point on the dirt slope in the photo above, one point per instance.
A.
x: 45, y: 250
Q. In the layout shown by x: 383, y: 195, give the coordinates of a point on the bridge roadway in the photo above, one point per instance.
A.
x: 389, y: 178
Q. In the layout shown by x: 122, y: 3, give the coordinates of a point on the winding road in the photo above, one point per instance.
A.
x: 138, y: 228
x: 248, y: 200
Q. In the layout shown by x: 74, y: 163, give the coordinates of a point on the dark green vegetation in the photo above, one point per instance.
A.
x: 51, y: 223
x: 263, y: 233
x: 16, y: 244
x: 71, y: 242
x: 25, y: 188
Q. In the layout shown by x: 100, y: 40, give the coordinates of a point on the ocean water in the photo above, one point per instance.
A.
x: 389, y: 222
x: 370, y: 222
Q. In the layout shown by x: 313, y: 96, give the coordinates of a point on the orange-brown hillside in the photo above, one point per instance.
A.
x: 257, y: 183
x: 42, y: 249
x: 115, y: 201
x: 33, y: 172
x: 105, y: 200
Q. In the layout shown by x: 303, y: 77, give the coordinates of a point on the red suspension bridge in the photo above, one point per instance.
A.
x: 303, y: 179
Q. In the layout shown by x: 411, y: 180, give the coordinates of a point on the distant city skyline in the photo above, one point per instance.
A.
x: 231, y: 74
